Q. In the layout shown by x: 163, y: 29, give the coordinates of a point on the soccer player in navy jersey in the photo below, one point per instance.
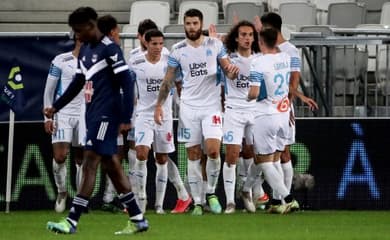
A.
x: 103, y: 71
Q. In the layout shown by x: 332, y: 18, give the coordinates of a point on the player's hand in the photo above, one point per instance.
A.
x: 232, y: 69
x: 49, y: 126
x: 257, y: 23
x: 292, y: 118
x: 310, y: 102
x: 158, y: 114
x: 124, y: 128
x: 213, y: 31
x: 235, y: 19
x: 49, y: 112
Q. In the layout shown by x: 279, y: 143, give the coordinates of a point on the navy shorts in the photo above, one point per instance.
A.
x: 102, y: 137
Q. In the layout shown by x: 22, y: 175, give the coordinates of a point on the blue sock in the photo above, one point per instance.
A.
x: 79, y: 205
x: 128, y: 200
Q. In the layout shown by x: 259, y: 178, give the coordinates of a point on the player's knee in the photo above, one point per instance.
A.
x: 213, y: 153
x: 60, y: 157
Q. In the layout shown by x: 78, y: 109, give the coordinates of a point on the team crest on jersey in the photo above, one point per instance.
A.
x: 181, y: 45
x: 233, y: 55
x: 209, y: 53
x: 216, y: 120
x: 169, y: 137
x: 83, y: 59
x: 94, y: 58
x: 114, y: 58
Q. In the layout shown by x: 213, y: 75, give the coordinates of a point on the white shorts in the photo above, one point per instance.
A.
x: 66, y: 130
x: 267, y: 130
x: 290, y: 139
x: 198, y: 124
x: 147, y: 132
x: 236, y: 126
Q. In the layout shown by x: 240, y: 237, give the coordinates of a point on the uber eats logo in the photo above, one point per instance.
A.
x: 198, y: 69
x: 153, y: 84
x: 242, y: 81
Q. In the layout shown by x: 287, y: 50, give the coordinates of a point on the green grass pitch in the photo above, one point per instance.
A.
x: 96, y: 225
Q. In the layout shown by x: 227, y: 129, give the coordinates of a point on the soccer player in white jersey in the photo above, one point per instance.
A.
x: 148, y: 70
x: 242, y: 46
x: 65, y: 127
x: 269, y: 77
x: 173, y: 172
x: 200, y: 107
x: 283, y: 159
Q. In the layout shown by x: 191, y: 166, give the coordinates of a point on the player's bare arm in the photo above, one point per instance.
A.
x: 230, y: 70
x: 253, y: 92
x: 165, y: 88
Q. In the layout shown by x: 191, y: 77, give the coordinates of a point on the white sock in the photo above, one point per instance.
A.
x: 132, y: 160
x: 247, y: 162
x: 257, y: 188
x: 288, y: 173
x: 140, y: 175
x: 274, y: 179
x: 213, y: 167
x: 175, y: 179
x: 278, y: 168
x: 204, y: 191
x: 161, y: 183
x: 79, y: 176
x: 194, y: 173
x: 229, y: 181
x: 241, y: 172
x: 253, y: 172
x: 109, y: 191
x: 59, y: 172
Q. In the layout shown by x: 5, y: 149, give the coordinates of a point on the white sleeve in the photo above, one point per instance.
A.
x: 51, y: 84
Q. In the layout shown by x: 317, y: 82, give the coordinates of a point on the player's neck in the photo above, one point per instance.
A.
x: 152, y: 58
x: 280, y: 39
x: 76, y: 52
x: 273, y: 50
x: 244, y: 52
x: 197, y: 42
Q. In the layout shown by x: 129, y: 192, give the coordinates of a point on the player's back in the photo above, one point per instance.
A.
x: 273, y: 73
x: 99, y: 63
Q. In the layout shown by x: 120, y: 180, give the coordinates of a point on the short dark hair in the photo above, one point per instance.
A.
x: 146, y: 25
x: 230, y: 39
x: 153, y: 33
x: 82, y: 15
x: 272, y: 19
x: 106, y: 24
x: 192, y: 12
x: 269, y: 35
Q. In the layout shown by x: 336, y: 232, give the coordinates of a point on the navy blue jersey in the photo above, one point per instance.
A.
x: 104, y: 71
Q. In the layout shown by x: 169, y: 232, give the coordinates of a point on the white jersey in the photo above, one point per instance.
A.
x: 148, y: 78
x: 61, y: 74
x: 199, y: 70
x: 292, y: 51
x: 236, y: 90
x: 135, y: 52
x: 271, y: 72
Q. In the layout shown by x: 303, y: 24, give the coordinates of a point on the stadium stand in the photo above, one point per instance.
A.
x: 243, y: 10
x: 158, y: 11
x: 298, y: 13
x: 209, y: 9
x: 48, y: 15
x: 337, y: 14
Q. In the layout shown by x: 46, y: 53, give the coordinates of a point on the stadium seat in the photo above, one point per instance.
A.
x: 209, y: 10
x: 172, y: 28
x: 385, y: 14
x: 273, y: 5
x: 322, y: 9
x: 347, y: 14
x: 158, y: 11
x: 374, y: 9
x: 223, y: 28
x: 128, y: 43
x: 243, y: 10
x: 172, y: 6
x: 298, y: 13
x: 287, y: 29
x: 225, y: 2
